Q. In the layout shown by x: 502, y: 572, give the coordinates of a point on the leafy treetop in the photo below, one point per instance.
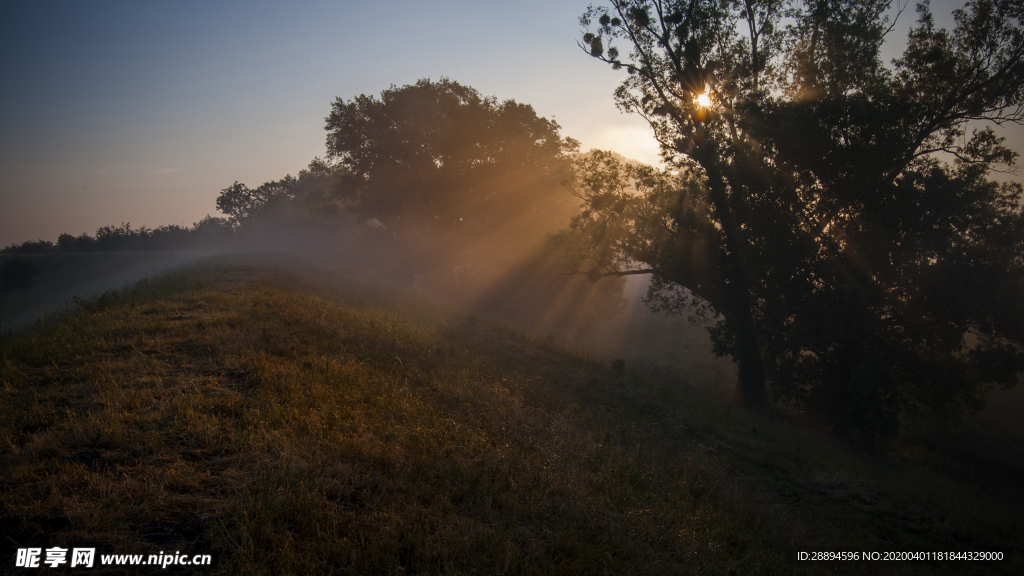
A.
x: 439, y: 156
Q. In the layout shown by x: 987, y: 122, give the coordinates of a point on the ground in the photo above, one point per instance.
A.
x: 288, y: 417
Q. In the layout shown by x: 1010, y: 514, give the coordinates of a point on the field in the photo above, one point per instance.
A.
x: 290, y: 417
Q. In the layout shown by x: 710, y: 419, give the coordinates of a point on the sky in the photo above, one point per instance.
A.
x: 142, y: 112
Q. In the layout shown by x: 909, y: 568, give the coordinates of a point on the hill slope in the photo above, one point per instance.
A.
x: 290, y: 420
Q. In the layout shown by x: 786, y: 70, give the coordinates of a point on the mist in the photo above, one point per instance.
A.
x: 431, y: 187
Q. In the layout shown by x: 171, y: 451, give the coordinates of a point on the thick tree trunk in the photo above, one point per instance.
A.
x: 751, y: 389
x: 750, y: 383
x: 736, y: 270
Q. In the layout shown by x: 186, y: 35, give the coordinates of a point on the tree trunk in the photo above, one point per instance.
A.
x: 750, y: 385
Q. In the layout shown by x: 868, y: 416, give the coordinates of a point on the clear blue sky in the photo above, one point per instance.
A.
x: 142, y: 112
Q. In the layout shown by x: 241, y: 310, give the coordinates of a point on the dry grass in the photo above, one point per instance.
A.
x: 251, y: 412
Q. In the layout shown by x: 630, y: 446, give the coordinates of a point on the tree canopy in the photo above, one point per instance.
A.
x: 836, y: 213
x: 437, y: 157
x: 431, y: 177
x: 309, y: 196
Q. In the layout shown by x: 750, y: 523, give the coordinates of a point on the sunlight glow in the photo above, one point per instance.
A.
x: 634, y: 142
x: 702, y: 100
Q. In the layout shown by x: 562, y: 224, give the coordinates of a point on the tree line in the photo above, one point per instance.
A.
x: 205, y: 234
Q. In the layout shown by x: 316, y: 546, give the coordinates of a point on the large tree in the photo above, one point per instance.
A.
x: 449, y: 169
x: 834, y: 211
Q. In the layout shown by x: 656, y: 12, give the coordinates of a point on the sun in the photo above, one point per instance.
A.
x: 703, y: 100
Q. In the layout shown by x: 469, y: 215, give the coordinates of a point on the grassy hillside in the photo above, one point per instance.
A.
x: 292, y: 420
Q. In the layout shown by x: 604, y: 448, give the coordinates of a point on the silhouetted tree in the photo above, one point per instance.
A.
x: 446, y: 168
x: 121, y: 238
x: 310, y: 197
x: 81, y: 243
x: 29, y: 247
x: 834, y: 211
x: 210, y: 231
x: 239, y: 202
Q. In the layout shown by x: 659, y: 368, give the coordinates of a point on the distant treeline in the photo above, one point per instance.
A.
x: 207, y: 233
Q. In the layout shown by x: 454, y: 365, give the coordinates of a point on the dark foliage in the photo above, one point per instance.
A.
x: 433, y: 179
x: 208, y: 233
x: 442, y: 155
x: 834, y: 211
x: 309, y: 198
x: 29, y: 247
x: 454, y: 177
x: 81, y: 243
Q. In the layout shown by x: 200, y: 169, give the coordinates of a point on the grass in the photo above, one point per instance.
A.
x: 289, y: 420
